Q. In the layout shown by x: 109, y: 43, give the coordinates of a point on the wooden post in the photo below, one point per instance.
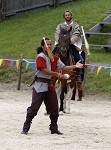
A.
x: 85, y: 75
x: 2, y: 9
x: 56, y: 3
x: 19, y: 74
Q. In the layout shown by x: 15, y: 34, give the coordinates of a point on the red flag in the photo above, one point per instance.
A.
x: 6, y: 63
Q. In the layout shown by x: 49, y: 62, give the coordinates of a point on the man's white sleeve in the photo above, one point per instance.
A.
x: 60, y: 64
x: 57, y: 33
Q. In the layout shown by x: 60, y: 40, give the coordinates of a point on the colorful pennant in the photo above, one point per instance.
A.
x: 11, y: 63
x: 27, y: 64
x: 99, y: 68
x: 92, y: 69
x: 33, y: 66
x: 17, y: 63
x: 33, y: 63
x: 1, y: 60
x: 6, y: 63
x: 110, y: 72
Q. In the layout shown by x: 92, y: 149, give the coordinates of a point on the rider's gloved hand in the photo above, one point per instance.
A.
x: 79, y: 65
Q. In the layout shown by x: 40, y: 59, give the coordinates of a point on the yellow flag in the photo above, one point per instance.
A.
x: 99, y: 68
x: 1, y: 61
x: 17, y: 63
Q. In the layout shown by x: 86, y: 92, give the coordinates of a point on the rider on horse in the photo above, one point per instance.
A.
x: 75, y: 38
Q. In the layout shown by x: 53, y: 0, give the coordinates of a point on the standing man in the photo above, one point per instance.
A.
x: 75, y: 38
x: 43, y: 87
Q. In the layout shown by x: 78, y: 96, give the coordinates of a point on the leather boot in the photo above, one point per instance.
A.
x: 54, y: 130
x: 27, y: 124
x: 53, y: 126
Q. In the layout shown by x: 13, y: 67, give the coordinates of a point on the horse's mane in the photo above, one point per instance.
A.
x: 63, y: 48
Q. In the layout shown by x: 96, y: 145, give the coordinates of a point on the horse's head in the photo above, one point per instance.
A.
x: 64, y: 41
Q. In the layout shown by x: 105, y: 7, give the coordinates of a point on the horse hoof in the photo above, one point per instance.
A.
x: 46, y: 114
x: 64, y: 111
x: 79, y: 99
x: 73, y: 99
x: 61, y: 113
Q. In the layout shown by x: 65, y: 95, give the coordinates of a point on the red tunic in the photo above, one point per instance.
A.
x: 41, y: 63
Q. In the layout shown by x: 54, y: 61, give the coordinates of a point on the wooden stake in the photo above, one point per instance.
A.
x: 19, y: 73
x: 85, y: 76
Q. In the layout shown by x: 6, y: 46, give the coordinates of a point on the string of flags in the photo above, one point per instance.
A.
x: 33, y: 63
x: 11, y: 62
x: 99, y: 67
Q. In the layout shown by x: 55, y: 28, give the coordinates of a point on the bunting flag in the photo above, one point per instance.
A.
x: 33, y: 63
x: 1, y: 60
x: 6, y: 63
x: 33, y: 66
x: 27, y: 64
x: 24, y: 60
x: 11, y: 63
x: 92, y: 69
x: 106, y: 67
x: 99, y: 68
x: 110, y: 72
x: 17, y: 63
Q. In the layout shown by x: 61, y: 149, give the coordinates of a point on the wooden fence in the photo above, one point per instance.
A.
x: 13, y: 7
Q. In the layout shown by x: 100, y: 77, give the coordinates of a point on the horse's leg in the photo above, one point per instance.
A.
x: 80, y: 95
x: 80, y: 91
x: 62, y: 96
x: 68, y: 90
x: 74, y: 93
x: 64, y: 102
x: 61, y: 99
x: 73, y: 85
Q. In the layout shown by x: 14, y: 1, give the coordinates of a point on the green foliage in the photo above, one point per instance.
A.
x: 22, y: 35
x: 99, y: 83
x: 27, y: 74
x: 8, y: 74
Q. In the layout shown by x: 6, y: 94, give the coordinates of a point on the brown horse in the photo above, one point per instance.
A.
x: 63, y: 50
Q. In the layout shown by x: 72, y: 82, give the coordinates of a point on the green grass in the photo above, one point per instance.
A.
x: 23, y: 33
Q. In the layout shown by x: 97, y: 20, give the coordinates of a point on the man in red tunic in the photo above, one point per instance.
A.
x: 43, y: 89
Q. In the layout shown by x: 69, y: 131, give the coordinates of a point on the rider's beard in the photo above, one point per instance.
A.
x: 68, y: 19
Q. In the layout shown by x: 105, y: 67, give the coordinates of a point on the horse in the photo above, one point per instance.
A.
x: 63, y: 50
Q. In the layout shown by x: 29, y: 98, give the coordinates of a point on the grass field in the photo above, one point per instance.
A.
x: 22, y: 34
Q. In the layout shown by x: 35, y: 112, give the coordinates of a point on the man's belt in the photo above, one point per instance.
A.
x: 44, y: 80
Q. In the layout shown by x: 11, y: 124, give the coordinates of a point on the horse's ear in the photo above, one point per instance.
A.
x: 70, y: 29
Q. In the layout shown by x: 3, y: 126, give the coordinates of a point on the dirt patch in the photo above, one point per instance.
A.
x: 87, y: 127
